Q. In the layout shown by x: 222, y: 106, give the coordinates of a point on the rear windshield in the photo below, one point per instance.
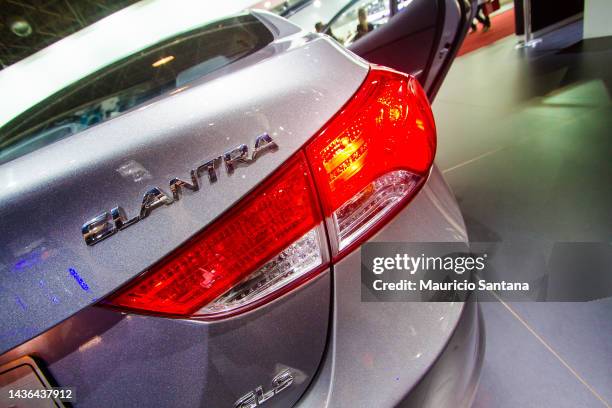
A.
x: 132, y: 81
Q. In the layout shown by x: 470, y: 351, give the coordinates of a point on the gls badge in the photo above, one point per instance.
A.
x: 258, y: 396
x: 108, y: 223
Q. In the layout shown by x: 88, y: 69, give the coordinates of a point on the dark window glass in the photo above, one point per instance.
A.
x: 131, y: 82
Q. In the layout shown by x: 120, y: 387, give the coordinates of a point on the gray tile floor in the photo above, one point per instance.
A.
x: 525, y: 141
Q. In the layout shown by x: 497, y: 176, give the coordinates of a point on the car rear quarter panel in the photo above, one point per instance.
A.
x: 379, y: 351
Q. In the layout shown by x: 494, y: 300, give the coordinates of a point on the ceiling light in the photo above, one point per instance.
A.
x: 162, y: 61
x: 21, y: 27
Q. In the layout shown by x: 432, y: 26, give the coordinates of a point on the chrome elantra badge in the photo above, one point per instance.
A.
x: 110, y: 222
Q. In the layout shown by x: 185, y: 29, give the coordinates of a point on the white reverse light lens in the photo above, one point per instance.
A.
x: 372, y: 203
x: 299, y: 258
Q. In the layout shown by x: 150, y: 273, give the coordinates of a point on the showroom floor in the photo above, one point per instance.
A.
x: 525, y: 144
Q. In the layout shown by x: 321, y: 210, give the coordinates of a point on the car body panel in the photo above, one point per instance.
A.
x: 46, y: 196
x: 365, y: 354
x: 452, y: 380
x: 379, y: 351
x: 124, y: 360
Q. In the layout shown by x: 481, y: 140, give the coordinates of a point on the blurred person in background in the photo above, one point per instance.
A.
x: 363, y: 27
x: 483, y: 16
x: 319, y: 27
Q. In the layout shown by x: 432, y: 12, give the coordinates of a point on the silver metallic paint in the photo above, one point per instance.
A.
x: 288, y: 90
x: 452, y: 380
x: 110, y: 222
x: 118, y: 360
x: 376, y: 352
x: 379, y: 351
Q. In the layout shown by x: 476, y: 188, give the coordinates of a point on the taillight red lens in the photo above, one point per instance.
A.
x: 367, y: 162
x: 387, y: 126
x: 373, y: 154
x: 275, y: 215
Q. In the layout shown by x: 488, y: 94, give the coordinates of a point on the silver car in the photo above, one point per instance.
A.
x: 181, y: 223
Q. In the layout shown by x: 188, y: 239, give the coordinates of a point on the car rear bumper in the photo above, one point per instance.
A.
x: 452, y: 380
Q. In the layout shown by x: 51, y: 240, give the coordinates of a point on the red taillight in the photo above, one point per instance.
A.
x: 373, y: 155
x: 367, y: 162
x: 387, y: 126
x: 276, y: 214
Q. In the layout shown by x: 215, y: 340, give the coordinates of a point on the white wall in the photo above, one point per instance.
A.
x: 597, y: 18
